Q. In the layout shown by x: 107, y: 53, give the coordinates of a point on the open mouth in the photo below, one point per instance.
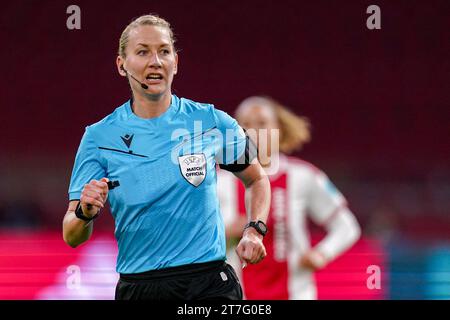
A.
x: 154, y: 76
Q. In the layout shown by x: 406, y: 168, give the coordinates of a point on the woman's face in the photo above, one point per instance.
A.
x: 259, y: 121
x: 151, y: 58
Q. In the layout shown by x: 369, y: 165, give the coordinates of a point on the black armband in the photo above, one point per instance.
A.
x: 249, y: 154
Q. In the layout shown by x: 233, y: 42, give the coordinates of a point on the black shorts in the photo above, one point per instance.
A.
x: 200, y: 281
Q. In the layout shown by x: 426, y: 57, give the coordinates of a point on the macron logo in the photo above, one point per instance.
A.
x: 127, y: 139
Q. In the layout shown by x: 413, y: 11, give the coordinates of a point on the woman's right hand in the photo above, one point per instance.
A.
x: 93, y: 196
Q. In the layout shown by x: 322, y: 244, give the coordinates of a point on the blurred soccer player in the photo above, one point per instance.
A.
x: 299, y: 190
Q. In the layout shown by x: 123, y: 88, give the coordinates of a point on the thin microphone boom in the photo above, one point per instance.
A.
x: 143, y: 85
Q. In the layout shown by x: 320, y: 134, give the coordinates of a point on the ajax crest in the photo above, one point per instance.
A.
x: 193, y: 168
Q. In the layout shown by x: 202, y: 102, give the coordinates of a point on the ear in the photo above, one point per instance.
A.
x: 120, y: 66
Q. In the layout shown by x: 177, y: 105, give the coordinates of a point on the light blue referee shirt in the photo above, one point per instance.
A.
x: 166, y: 209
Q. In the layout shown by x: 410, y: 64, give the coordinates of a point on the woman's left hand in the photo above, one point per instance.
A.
x: 251, y: 248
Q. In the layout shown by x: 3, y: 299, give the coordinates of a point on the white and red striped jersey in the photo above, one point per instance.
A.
x: 299, y: 190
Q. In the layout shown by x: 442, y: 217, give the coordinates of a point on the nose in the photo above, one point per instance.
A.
x: 155, y: 61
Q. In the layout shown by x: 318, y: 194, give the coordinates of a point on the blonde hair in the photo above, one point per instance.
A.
x: 145, y: 20
x: 295, y: 130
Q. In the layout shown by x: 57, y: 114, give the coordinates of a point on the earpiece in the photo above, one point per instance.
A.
x: 123, y: 69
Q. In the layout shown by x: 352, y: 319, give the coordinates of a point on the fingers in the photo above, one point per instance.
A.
x: 96, y: 189
x: 102, y: 184
x: 251, y: 251
x: 95, y: 193
x: 92, y: 197
x: 239, y: 250
x: 259, y: 254
x: 247, y: 253
x: 89, y: 200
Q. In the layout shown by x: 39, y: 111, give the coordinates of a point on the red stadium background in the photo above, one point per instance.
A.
x: 378, y: 101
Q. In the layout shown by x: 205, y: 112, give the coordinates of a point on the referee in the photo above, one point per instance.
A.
x: 154, y: 158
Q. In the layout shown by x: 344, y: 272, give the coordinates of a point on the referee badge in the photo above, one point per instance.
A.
x: 193, y: 168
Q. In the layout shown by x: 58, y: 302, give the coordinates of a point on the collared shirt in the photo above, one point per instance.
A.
x: 166, y: 209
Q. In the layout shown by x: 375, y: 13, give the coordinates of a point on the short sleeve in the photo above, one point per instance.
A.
x: 87, y: 166
x: 324, y: 199
x: 233, y: 138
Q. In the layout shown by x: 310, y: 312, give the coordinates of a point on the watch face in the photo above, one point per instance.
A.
x: 262, y: 226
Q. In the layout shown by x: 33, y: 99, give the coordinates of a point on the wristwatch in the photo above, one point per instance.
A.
x: 80, y: 215
x: 258, y: 225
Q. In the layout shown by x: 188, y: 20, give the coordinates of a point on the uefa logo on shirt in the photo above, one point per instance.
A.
x: 193, y: 168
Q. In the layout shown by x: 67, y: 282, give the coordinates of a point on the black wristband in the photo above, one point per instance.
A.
x: 80, y: 215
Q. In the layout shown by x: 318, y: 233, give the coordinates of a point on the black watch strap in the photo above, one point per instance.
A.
x: 259, y: 226
x: 80, y: 215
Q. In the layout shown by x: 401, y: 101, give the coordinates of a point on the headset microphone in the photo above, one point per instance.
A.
x: 143, y: 85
